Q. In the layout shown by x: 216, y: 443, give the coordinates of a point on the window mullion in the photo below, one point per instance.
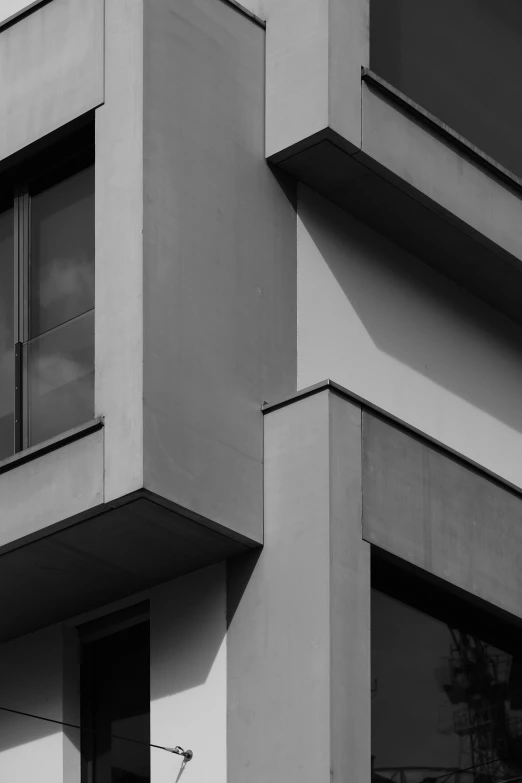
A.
x: 22, y: 249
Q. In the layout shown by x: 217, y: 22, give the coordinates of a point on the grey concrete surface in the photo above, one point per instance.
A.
x: 416, y: 157
x: 219, y: 299
x: 299, y: 617
x: 119, y: 250
x: 438, y: 513
x: 315, y: 51
x: 51, y: 487
x: 51, y: 70
x: 80, y: 565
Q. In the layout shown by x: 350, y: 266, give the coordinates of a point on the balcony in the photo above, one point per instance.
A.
x: 192, y: 324
x: 415, y: 132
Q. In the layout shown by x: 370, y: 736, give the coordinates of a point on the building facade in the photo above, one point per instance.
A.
x: 260, y: 372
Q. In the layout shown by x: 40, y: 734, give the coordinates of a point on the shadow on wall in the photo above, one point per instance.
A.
x: 393, y: 302
x: 32, y: 681
x: 188, y: 684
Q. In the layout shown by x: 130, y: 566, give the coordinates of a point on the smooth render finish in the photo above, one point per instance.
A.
x: 422, y: 161
x: 439, y: 514
x: 219, y: 263
x: 51, y: 70
x: 50, y: 488
x: 386, y: 326
x: 299, y: 614
x: 315, y: 50
x: 119, y: 249
x: 188, y: 686
x: 34, y: 674
x: 80, y: 564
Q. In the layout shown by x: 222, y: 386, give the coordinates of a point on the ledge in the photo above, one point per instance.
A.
x: 441, y: 128
x: 366, y: 405
x: 428, y: 190
x: 27, y: 455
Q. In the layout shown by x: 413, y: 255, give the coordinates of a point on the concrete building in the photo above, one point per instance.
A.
x: 260, y: 391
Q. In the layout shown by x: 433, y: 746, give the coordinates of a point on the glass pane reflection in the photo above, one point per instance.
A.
x: 60, y: 379
x: 442, y: 701
x: 6, y: 334
x: 62, y: 252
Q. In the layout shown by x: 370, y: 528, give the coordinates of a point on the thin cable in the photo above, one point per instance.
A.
x: 187, y: 754
x: 468, y: 769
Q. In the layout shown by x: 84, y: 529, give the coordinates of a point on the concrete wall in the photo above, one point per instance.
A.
x: 51, y: 70
x: 119, y: 249
x: 219, y: 262
x: 188, y: 676
x: 315, y: 51
x: 390, y: 329
x: 299, y: 612
x: 50, y: 488
x: 11, y: 8
x: 34, y: 679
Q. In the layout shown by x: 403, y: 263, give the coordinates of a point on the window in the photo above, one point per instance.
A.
x: 115, y: 696
x: 46, y: 302
x: 446, y: 690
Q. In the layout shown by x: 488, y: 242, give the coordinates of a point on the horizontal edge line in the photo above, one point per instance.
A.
x: 28, y: 455
x: 346, y: 394
x: 444, y: 130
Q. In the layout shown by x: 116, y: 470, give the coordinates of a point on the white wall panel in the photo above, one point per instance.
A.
x: 51, y: 487
x: 381, y: 323
x: 188, y: 676
x: 32, y: 680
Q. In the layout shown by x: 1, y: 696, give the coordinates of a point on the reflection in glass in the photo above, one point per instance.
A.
x: 6, y: 334
x: 62, y: 252
x: 442, y: 701
x: 444, y: 54
x: 60, y: 379
x: 118, y: 702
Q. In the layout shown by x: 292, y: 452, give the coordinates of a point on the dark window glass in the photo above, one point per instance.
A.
x: 443, y: 700
x: 116, y: 708
x: 62, y: 253
x: 7, y: 294
x: 60, y: 353
x: 459, y: 59
x: 60, y: 378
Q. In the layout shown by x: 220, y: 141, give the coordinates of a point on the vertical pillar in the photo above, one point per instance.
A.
x: 299, y: 617
x: 119, y: 249
x: 315, y: 50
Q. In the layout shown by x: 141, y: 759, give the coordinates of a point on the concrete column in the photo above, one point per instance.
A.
x: 119, y: 249
x: 314, y: 53
x: 39, y: 675
x: 299, y: 617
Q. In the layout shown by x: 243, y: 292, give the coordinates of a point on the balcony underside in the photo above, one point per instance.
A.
x: 428, y: 192
x: 114, y: 552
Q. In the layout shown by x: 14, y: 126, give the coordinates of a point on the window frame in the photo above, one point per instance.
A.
x: 88, y: 634
x: 40, y: 167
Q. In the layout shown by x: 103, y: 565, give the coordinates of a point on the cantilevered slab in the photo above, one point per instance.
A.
x: 51, y: 70
x: 428, y: 190
x: 105, y: 554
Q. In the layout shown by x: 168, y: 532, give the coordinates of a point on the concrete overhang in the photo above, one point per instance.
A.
x: 64, y: 550
x: 423, y: 504
x: 426, y: 188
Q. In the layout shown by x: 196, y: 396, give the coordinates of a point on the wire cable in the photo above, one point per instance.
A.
x: 469, y: 769
x: 187, y: 754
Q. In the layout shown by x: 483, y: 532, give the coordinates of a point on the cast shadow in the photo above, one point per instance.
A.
x: 417, y: 316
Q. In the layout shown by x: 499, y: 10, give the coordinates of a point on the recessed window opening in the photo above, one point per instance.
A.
x: 46, y: 297
x: 446, y: 687
x: 115, y: 702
